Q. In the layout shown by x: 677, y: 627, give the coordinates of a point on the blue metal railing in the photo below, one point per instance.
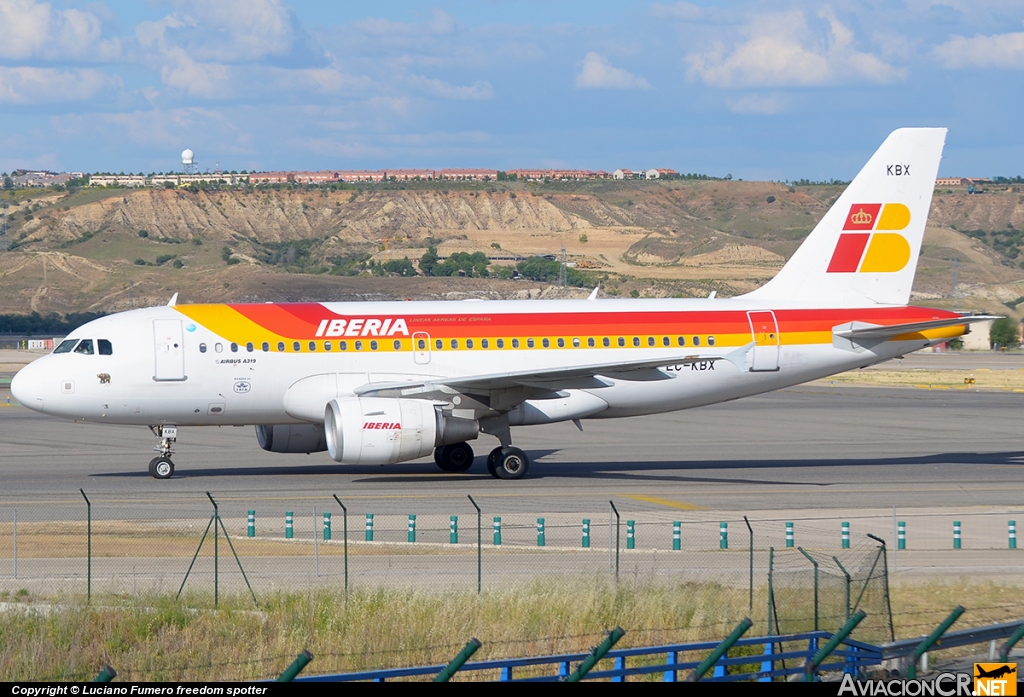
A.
x: 777, y: 658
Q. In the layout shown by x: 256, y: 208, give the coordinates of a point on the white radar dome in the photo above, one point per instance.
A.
x: 187, y: 156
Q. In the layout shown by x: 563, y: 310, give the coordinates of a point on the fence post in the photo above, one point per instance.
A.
x: 812, y: 663
x: 932, y: 638
x: 846, y: 534
x: 789, y: 534
x: 618, y: 531
x: 106, y: 674
x: 1004, y: 653
x: 88, y: 534
x: 956, y: 534
x: 453, y: 530
x: 901, y: 539
x: 541, y: 537
x: 630, y: 534
x: 720, y: 650
x: 344, y: 521
x: 453, y: 667
x: 251, y: 532
x: 296, y: 667
x: 751, y: 545
x: 327, y: 526
x: 677, y: 535
x: 723, y: 536
x: 289, y: 520
x: 596, y: 655
x: 480, y: 543
x: 412, y: 528
x: 369, y: 527
x: 586, y: 533
x: 316, y: 546
x: 813, y: 561
x: 15, y: 543
x: 1011, y: 529
x: 497, y: 531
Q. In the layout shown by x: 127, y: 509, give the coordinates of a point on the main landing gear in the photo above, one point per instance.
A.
x: 161, y: 467
x: 502, y: 462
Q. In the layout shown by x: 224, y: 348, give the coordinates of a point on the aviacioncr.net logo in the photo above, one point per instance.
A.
x: 944, y: 685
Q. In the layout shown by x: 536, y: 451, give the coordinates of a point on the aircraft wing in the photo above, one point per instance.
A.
x: 865, y: 330
x: 578, y: 377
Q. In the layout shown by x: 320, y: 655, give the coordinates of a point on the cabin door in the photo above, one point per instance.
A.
x: 421, y: 347
x: 170, y: 349
x: 765, y: 332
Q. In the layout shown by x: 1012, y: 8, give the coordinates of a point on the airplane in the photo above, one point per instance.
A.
x: 385, y: 382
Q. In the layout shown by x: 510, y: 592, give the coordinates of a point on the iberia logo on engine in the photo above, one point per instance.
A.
x: 863, y: 248
x: 381, y: 426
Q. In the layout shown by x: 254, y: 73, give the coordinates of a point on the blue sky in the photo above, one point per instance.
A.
x: 760, y: 90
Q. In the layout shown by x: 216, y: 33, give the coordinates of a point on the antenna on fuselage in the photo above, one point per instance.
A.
x: 173, y: 301
x: 593, y: 293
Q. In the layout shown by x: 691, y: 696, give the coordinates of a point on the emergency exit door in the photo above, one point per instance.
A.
x: 169, y: 346
x: 421, y: 347
x: 765, y: 332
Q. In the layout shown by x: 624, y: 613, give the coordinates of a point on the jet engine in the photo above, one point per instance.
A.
x: 292, y: 438
x: 383, y: 431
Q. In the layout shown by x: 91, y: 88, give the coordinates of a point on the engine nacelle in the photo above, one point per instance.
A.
x: 383, y: 431
x: 292, y: 438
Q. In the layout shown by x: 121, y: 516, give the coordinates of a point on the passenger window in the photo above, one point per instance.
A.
x: 681, y: 341
x: 636, y: 341
x: 359, y: 345
x: 234, y: 347
x: 249, y: 347
x: 711, y: 341
x: 545, y: 343
x: 421, y: 344
x: 296, y: 347
x: 438, y: 344
x: 106, y: 349
x: 665, y: 341
x: 590, y: 342
x: 454, y: 343
x: 561, y: 342
x: 327, y: 345
x: 312, y: 346
x: 515, y: 343
x: 650, y: 341
x: 84, y: 347
x: 342, y: 346
x: 484, y: 343
x: 202, y: 348
x: 469, y: 343
x: 606, y: 342
x: 66, y: 346
x: 622, y: 341
x: 696, y: 341
x: 265, y: 346
x: 218, y: 347
x: 373, y: 345
x: 501, y: 343
x: 398, y: 345
x: 529, y: 343
x: 575, y: 342
x: 280, y: 347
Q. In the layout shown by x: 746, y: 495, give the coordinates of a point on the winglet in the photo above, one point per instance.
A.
x: 173, y: 301
x: 593, y: 293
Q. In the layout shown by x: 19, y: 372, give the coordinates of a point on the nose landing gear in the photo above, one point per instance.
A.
x: 161, y: 467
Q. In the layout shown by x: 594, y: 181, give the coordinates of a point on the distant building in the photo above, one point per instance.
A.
x: 661, y: 173
x: 131, y: 180
x: 623, y: 174
x: 477, y: 175
x: 961, y: 181
x: 24, y: 178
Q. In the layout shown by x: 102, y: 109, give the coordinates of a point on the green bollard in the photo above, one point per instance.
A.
x: 540, y: 532
x: 300, y: 662
x: 453, y: 530
x: 956, y: 534
x: 369, y: 527
x: 252, y: 524
x: 586, y: 533
x: 677, y: 536
x: 630, y: 534
x: 1012, y: 532
x: 289, y: 532
x: 789, y: 535
x: 106, y: 674
x: 412, y: 528
x: 327, y: 526
x: 723, y: 536
x: 497, y: 531
x: 901, y: 535
x: 846, y: 534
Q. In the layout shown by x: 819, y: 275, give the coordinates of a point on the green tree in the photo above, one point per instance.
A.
x: 428, y: 261
x: 1004, y: 333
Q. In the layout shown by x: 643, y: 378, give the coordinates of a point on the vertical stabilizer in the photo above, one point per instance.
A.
x: 864, y: 251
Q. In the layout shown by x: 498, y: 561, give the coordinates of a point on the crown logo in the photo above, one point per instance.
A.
x: 861, y: 217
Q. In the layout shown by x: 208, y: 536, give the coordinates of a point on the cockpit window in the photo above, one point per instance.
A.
x: 66, y: 346
x: 85, y: 347
x: 105, y: 347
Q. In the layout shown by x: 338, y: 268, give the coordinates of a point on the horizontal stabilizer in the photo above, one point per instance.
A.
x: 865, y: 330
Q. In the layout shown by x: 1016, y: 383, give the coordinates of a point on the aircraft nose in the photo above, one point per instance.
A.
x: 27, y: 387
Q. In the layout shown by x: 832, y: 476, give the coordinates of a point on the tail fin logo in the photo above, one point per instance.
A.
x: 863, y: 248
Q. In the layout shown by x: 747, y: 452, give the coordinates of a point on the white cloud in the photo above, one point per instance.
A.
x: 598, y: 73
x: 195, y: 78
x: 781, y: 50
x: 439, y: 24
x: 25, y: 85
x: 996, y: 51
x: 36, y: 30
x: 758, y: 104
x: 481, y: 89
